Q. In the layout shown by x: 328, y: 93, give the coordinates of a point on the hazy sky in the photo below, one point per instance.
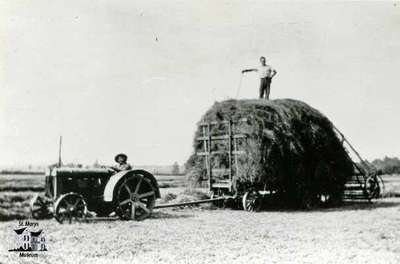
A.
x: 136, y: 76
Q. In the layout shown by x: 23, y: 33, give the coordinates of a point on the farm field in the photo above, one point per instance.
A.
x: 35, y: 183
x: 351, y: 234
x: 354, y: 233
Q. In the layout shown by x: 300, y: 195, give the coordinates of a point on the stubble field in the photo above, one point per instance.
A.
x: 354, y: 233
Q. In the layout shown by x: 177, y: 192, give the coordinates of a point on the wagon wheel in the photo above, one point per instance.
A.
x: 309, y: 201
x: 70, y: 207
x: 39, y: 208
x: 251, y: 201
x: 135, y: 198
x: 372, y: 187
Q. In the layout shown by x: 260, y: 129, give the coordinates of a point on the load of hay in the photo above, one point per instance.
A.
x: 290, y: 149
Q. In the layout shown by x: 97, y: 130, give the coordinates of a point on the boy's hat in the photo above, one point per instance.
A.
x: 124, y: 156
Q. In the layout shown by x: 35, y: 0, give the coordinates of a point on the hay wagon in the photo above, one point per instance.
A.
x: 222, y: 141
x: 73, y: 194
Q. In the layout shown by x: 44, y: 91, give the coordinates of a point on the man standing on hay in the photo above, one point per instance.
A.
x: 266, y: 73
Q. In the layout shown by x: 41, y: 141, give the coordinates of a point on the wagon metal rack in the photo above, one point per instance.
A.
x: 230, y: 138
x: 222, y: 181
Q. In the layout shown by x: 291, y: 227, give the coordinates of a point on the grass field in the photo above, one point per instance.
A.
x: 354, y: 233
x: 35, y: 183
x: 350, y: 234
x: 391, y: 185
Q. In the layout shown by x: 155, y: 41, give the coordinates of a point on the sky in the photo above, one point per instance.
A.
x: 136, y: 76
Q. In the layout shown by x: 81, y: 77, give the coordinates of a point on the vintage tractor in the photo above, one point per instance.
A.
x: 75, y: 194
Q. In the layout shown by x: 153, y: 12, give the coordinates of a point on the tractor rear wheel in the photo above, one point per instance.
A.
x: 135, y: 198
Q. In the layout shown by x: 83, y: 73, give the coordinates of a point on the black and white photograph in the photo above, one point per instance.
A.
x: 197, y: 132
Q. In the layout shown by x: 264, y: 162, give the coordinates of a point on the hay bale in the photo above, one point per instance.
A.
x: 291, y: 148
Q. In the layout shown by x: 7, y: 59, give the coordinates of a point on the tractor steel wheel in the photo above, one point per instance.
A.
x: 135, y: 198
x: 70, y: 207
x: 39, y: 207
x: 251, y: 201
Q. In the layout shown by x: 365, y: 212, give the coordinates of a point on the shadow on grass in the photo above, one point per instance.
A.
x: 350, y: 206
x: 345, y: 206
x: 12, y: 216
x: 168, y: 215
x: 154, y: 215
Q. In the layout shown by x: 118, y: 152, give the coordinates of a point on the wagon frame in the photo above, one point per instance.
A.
x: 222, y: 181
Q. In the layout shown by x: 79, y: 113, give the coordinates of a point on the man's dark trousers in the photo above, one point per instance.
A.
x: 265, y: 87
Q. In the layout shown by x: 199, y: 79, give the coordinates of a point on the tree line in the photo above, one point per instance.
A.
x: 387, y: 165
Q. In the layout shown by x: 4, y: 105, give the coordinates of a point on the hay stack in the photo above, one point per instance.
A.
x: 291, y: 148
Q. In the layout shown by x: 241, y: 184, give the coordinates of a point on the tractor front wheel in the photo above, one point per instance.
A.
x: 70, y: 207
x: 40, y: 207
